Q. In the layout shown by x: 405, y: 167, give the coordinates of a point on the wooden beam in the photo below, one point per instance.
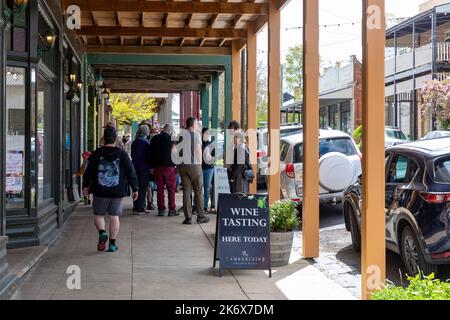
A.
x: 310, y: 199
x: 172, y: 6
x: 251, y: 101
x: 235, y: 82
x: 143, y: 91
x: 163, y: 32
x: 373, y: 219
x: 222, y: 42
x: 156, y: 85
x: 188, y: 20
x: 94, y: 17
x: 194, y: 50
x: 274, y: 102
x: 210, y: 25
x: 236, y: 20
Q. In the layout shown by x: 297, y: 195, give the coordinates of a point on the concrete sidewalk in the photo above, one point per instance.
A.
x: 160, y: 258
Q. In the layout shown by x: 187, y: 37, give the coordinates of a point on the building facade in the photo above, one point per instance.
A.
x: 340, y: 94
x: 42, y: 125
x: 417, y: 50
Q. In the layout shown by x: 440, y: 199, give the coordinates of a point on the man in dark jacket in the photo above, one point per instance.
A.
x: 140, y: 153
x: 165, y: 172
x: 108, y: 174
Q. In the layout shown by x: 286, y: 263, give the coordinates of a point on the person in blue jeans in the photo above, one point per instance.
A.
x: 207, y: 165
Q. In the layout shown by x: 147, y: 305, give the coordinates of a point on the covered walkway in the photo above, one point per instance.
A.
x: 160, y: 258
x: 181, y: 46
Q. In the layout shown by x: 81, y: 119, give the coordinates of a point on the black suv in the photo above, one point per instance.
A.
x: 417, y: 204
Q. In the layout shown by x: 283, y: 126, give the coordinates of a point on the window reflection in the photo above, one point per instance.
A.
x: 15, y: 138
x: 44, y: 139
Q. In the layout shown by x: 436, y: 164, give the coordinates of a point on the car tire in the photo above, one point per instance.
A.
x: 354, y: 229
x: 412, y: 255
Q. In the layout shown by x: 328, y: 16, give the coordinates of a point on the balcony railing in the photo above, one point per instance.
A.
x: 423, y: 56
x: 443, y: 52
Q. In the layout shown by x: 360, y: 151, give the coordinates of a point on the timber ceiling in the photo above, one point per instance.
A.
x: 166, y: 27
x: 133, y: 78
x: 171, y: 26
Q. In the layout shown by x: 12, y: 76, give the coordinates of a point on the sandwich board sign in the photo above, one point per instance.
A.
x: 242, y: 233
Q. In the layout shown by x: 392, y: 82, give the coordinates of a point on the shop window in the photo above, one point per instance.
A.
x: 18, y: 34
x: 15, y: 178
x: 44, y: 144
x: 333, y: 117
x: 323, y: 119
x: 346, y: 117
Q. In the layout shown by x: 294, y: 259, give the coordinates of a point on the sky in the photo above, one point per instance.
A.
x: 336, y: 43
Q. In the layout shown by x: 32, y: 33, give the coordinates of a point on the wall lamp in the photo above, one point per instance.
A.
x: 46, y: 43
x: 72, y: 78
x: 80, y: 85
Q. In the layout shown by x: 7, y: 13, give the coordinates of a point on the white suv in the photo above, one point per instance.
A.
x: 339, y: 165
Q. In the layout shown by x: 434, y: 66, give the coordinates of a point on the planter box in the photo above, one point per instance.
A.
x: 280, y: 247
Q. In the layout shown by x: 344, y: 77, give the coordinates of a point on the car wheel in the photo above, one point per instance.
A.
x: 354, y: 229
x: 412, y: 255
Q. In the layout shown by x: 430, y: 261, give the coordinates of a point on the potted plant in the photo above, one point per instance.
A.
x: 283, y: 222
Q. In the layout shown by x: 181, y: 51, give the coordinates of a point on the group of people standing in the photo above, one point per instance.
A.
x: 111, y: 174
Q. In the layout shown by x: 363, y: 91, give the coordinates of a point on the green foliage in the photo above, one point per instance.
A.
x: 420, y: 287
x: 293, y: 70
x: 283, y: 216
x: 357, y: 136
x: 262, y: 203
x: 128, y: 107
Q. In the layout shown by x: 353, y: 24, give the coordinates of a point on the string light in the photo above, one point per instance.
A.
x: 347, y: 23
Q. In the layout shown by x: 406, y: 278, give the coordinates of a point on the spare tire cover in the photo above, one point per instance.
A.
x: 336, y: 171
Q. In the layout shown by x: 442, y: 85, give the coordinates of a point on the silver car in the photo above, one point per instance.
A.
x: 394, y: 136
x: 339, y: 165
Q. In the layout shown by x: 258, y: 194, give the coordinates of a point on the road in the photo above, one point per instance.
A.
x: 335, y: 242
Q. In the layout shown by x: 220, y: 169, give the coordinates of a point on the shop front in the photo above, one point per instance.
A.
x: 40, y: 125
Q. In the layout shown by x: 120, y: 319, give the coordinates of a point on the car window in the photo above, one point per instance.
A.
x: 402, y: 169
x: 395, y: 134
x: 287, y: 132
x: 284, y: 148
x: 342, y: 145
x: 442, y: 171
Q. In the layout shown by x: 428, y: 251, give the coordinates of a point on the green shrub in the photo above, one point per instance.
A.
x: 420, y: 287
x: 283, y: 216
x: 357, y: 134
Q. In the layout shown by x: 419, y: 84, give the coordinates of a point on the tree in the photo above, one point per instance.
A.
x: 293, y: 70
x: 261, y: 93
x: 435, y: 98
x: 128, y: 107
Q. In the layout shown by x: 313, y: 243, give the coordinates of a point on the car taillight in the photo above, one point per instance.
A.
x: 360, y: 157
x: 435, y: 198
x: 290, y: 171
x: 261, y: 154
x: 443, y: 255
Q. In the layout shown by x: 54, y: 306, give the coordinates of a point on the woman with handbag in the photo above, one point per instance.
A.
x: 240, y: 172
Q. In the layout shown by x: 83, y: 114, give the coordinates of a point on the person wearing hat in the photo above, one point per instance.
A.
x: 108, y: 175
x: 140, y: 153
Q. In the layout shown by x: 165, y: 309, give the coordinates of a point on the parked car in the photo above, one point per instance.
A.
x: 394, y: 136
x: 436, y: 134
x: 417, y: 203
x: 339, y: 165
x: 262, y: 136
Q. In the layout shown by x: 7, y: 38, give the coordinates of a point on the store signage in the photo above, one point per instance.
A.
x: 242, y: 232
x: 221, y: 183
